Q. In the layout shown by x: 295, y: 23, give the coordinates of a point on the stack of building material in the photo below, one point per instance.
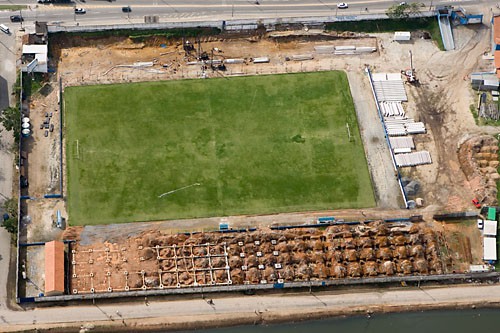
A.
x: 415, y: 128
x: 324, y: 49
x: 402, y: 142
x: 301, y: 57
x: 390, y: 109
x: 261, y: 60
x: 401, y: 150
x: 395, y: 129
x: 365, y: 49
x: 351, y: 49
x: 389, y: 87
x: 395, y: 126
x: 413, y: 159
x: 234, y: 61
x: 348, y: 49
x: 398, y: 120
x: 408, y: 124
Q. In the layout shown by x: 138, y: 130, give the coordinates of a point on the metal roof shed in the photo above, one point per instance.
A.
x: 54, y: 268
x: 490, y: 228
x: 492, y: 213
x: 489, y: 248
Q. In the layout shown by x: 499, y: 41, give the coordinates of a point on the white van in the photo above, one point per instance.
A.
x: 5, y: 29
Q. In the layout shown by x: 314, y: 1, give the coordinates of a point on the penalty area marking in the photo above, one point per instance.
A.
x: 178, y: 189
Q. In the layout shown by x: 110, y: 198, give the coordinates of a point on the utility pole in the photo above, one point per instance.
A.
x: 232, y: 10
x: 21, y: 14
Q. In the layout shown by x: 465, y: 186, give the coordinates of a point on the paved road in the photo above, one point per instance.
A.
x: 7, y: 80
x: 248, y: 308
x: 104, y: 12
x: 377, y: 151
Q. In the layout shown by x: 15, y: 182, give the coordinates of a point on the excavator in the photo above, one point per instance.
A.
x: 410, y: 72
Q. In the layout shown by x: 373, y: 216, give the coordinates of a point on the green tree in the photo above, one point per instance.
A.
x: 11, y: 120
x: 404, y: 10
x: 10, y: 207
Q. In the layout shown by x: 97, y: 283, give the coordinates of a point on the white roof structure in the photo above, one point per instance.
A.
x: 490, y: 228
x: 402, y: 35
x: 490, y: 248
x: 413, y: 159
x: 389, y: 87
x: 402, y: 142
x: 40, y: 52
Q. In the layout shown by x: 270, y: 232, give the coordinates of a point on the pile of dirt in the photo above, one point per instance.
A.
x: 478, y: 158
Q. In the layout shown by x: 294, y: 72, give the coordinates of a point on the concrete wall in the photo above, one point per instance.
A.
x: 448, y: 278
x: 230, y: 24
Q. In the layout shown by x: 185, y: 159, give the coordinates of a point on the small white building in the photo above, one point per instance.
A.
x: 34, y: 58
x: 402, y: 36
x: 489, y: 248
x: 490, y: 228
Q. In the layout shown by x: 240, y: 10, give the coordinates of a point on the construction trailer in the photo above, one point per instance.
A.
x: 402, y: 36
x: 485, y: 81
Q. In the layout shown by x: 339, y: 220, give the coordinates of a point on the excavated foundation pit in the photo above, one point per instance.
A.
x: 157, y: 261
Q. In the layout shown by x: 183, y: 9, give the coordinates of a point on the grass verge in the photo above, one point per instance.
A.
x: 138, y: 35
x: 429, y: 24
x: 12, y: 7
x: 262, y: 144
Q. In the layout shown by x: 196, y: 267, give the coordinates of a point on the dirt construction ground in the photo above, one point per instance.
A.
x: 441, y: 101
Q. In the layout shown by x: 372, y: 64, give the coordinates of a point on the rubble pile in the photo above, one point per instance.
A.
x: 478, y: 158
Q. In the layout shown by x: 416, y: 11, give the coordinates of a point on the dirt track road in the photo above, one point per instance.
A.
x: 247, y: 309
x: 377, y: 152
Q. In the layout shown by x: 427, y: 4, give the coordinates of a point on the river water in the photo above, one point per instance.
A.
x: 454, y: 321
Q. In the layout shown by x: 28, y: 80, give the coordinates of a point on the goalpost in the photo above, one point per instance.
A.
x: 348, y: 131
x: 77, y: 156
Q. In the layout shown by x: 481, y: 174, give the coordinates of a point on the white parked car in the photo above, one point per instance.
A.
x: 342, y: 5
x: 80, y: 11
x: 5, y: 29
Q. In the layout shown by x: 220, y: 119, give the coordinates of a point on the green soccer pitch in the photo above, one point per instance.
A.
x: 214, y: 147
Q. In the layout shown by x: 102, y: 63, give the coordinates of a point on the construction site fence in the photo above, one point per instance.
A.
x: 61, y: 110
x: 269, y: 286
x: 232, y: 24
x: 19, y: 217
x: 455, y: 216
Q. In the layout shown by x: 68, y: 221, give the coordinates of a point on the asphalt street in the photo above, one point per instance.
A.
x: 7, y: 80
x: 268, y: 306
x: 105, y: 12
